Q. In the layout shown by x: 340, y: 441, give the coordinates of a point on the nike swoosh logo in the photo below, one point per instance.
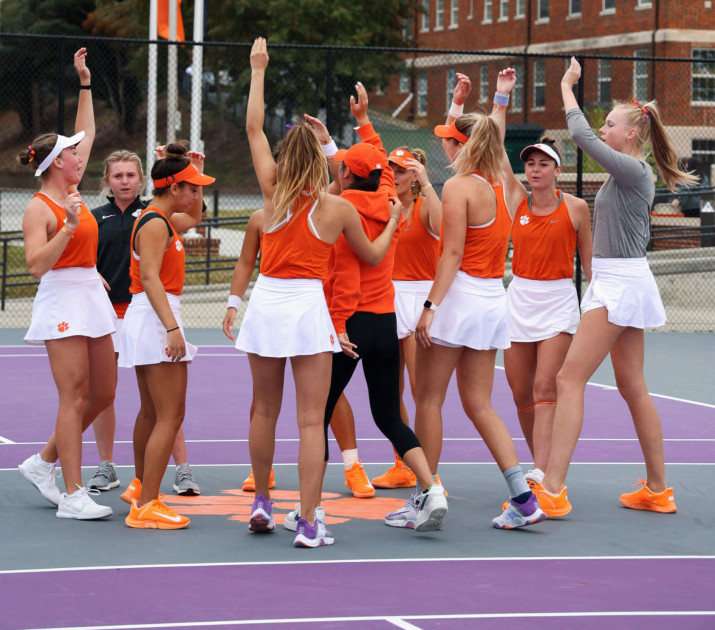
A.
x: 175, y: 519
x: 555, y: 220
x: 107, y: 216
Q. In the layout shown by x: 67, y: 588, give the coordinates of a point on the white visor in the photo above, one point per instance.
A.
x: 62, y: 143
x: 544, y: 148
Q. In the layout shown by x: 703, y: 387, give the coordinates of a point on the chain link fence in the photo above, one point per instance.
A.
x: 410, y: 91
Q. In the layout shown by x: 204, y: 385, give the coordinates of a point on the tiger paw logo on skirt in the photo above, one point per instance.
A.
x: 332, y: 339
x: 62, y: 326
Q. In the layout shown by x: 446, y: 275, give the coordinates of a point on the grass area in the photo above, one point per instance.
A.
x: 17, y: 272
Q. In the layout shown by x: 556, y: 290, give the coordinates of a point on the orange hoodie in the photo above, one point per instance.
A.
x: 352, y: 284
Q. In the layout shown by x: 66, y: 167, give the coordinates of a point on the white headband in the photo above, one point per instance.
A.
x: 62, y: 143
x: 544, y: 148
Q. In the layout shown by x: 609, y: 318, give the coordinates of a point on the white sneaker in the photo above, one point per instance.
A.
x: 432, y: 509
x: 534, y: 477
x: 292, y: 518
x: 79, y: 505
x: 406, y: 516
x: 42, y: 477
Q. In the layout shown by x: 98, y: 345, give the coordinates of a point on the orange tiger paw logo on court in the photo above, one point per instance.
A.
x: 235, y: 505
x: 62, y: 326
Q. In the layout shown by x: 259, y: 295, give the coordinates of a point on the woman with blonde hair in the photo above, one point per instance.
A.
x: 622, y: 298
x: 287, y: 315
x: 71, y: 314
x: 464, y: 321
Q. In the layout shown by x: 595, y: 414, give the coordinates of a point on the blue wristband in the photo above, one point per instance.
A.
x: 501, y: 99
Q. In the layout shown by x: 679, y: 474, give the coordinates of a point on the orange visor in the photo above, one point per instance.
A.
x: 398, y: 156
x: 190, y: 174
x: 450, y: 131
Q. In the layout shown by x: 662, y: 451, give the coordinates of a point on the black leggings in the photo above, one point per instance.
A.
x: 376, y: 338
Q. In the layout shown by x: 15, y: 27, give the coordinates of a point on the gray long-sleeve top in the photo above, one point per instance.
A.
x: 621, y: 214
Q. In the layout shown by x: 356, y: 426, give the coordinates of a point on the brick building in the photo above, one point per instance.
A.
x: 629, y: 28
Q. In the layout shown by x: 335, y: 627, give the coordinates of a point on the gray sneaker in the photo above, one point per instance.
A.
x: 184, y: 482
x: 105, y: 478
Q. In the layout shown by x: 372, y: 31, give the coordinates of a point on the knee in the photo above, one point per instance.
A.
x: 631, y: 389
x: 544, y: 390
x: 566, y: 382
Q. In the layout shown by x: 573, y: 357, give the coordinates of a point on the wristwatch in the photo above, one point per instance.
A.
x: 430, y: 306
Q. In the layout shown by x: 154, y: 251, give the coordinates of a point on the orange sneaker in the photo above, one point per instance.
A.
x: 155, y: 515
x: 356, y: 479
x: 249, y: 485
x: 645, y: 499
x: 133, y: 491
x: 399, y: 476
x: 436, y: 478
x: 552, y: 505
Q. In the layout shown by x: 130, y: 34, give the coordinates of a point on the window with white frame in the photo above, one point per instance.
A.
x: 568, y: 153
x: 604, y: 80
x: 488, y: 10
x: 517, y: 93
x: 704, y: 151
x: 644, y: 4
x: 520, y: 9
x: 483, y: 83
x: 609, y: 5
x: 451, y: 84
x: 439, y: 15
x: 640, y: 76
x: 424, y: 18
x: 470, y: 15
x: 542, y: 12
x: 503, y: 10
x: 574, y: 7
x: 703, y: 75
x: 539, y: 84
x: 454, y: 13
x: 404, y: 83
x: 422, y: 94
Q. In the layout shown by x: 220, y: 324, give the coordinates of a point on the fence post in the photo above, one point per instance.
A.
x: 707, y: 225
x: 4, y: 275
x: 579, y: 176
x: 61, y: 89
x: 329, y: 90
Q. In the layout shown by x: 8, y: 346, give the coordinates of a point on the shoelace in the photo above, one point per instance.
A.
x: 638, y: 483
x: 184, y: 474
x: 158, y: 506
x: 105, y: 470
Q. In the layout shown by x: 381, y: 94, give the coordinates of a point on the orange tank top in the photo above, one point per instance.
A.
x: 417, y: 250
x: 544, y: 245
x: 81, y: 251
x: 173, y: 265
x: 293, y: 248
x: 485, y: 246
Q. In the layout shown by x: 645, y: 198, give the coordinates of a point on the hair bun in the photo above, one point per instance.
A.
x: 177, y: 149
x: 547, y: 140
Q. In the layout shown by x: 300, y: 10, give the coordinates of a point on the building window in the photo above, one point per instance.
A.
x: 520, y: 10
x: 451, y: 84
x: 470, y: 15
x: 703, y: 75
x: 439, y: 15
x: 424, y: 18
x: 517, y: 93
x: 483, y: 83
x: 704, y: 151
x: 569, y: 153
x: 640, y: 76
x: 422, y: 94
x: 604, y: 80
x: 504, y: 10
x: 487, y: 10
x: 404, y: 83
x: 644, y: 4
x: 454, y: 14
x: 407, y: 29
x: 539, y: 84
x: 609, y: 6
x: 574, y: 7
x: 543, y: 10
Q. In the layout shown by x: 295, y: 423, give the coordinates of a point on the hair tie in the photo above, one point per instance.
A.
x: 645, y: 110
x: 31, y: 152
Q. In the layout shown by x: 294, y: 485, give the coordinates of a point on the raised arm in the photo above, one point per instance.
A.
x: 263, y: 163
x: 459, y: 97
x: 329, y: 149
x: 85, y: 110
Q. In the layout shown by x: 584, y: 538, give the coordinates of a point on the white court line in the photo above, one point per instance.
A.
x: 191, y: 565
x: 401, y: 623
x: 4, y: 440
x: 291, y: 620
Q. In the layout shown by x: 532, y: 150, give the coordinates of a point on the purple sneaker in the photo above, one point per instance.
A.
x: 261, y: 517
x: 520, y: 514
x: 308, y: 535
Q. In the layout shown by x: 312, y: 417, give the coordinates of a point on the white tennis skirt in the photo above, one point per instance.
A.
x: 541, y: 309
x: 627, y: 288
x: 70, y: 302
x: 116, y: 333
x: 142, y: 340
x: 473, y: 314
x: 287, y: 317
x: 410, y: 296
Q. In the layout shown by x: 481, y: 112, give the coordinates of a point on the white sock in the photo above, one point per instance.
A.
x: 350, y: 456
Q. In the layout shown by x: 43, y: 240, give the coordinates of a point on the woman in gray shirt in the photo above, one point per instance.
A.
x: 622, y: 298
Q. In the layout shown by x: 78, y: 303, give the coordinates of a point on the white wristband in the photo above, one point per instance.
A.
x: 501, y: 99
x: 234, y: 301
x: 456, y: 110
x: 329, y: 149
